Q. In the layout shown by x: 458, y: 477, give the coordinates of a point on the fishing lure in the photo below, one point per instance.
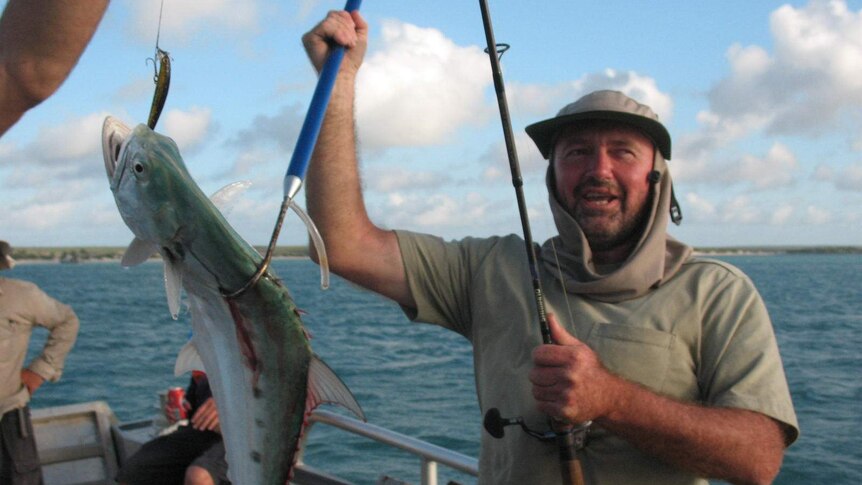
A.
x: 162, y: 79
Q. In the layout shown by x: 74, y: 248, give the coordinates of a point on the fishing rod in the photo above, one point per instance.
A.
x: 568, y: 438
x: 304, y: 146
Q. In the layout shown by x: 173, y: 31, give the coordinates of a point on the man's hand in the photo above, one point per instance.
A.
x: 570, y: 383
x: 342, y: 28
x: 31, y: 380
x: 206, y: 417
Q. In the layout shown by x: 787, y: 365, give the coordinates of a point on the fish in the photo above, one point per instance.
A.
x: 265, y: 377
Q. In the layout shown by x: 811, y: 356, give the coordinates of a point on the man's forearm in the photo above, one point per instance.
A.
x: 736, y: 445
x: 40, y: 43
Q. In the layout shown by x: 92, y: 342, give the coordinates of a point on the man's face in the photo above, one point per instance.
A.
x: 601, y: 176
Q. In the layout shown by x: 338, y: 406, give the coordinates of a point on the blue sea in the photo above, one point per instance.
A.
x: 418, y: 379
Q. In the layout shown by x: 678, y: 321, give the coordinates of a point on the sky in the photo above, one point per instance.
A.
x: 763, y: 100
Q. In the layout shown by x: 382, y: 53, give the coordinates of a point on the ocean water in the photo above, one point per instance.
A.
x: 418, y: 379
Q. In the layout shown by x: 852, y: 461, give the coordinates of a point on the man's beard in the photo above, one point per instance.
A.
x: 607, y: 232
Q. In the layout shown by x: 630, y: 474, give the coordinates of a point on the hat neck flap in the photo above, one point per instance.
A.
x: 654, y: 260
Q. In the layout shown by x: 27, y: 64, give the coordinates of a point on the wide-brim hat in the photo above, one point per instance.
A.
x: 6, y: 261
x: 607, y: 106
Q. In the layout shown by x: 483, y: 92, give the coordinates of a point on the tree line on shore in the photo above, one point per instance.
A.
x: 108, y: 253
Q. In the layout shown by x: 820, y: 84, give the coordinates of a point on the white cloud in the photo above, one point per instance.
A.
x: 850, y: 178
x: 847, y: 178
x: 816, y: 215
x: 74, y: 139
x: 419, y: 89
x: 439, y: 213
x: 811, y: 80
x: 700, y: 208
x: 741, y: 210
x: 187, y: 128
x: 391, y: 179
x: 781, y: 215
x: 183, y: 21
x: 774, y: 170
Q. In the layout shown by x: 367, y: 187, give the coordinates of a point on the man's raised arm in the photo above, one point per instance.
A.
x: 357, y: 249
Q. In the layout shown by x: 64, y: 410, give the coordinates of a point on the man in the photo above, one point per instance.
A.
x: 194, y: 454
x: 672, y: 358
x: 23, y: 306
x: 40, y: 43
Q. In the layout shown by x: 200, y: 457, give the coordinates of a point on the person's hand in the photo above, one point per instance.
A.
x: 342, y: 28
x: 206, y: 417
x: 570, y: 384
x: 31, y: 380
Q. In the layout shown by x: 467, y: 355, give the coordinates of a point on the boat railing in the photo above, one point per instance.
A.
x: 431, y: 455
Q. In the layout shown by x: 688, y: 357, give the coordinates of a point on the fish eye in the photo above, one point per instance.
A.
x: 139, y: 167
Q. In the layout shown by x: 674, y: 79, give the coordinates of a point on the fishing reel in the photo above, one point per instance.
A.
x: 495, y: 425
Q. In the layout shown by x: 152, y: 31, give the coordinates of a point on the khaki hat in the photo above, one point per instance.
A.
x: 6, y: 261
x: 602, y: 105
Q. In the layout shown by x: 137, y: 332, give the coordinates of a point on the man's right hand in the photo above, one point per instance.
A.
x: 340, y: 27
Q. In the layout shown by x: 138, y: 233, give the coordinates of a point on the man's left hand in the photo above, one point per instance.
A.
x: 31, y: 380
x: 570, y: 384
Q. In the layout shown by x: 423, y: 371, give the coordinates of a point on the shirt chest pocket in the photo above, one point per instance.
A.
x: 638, y: 354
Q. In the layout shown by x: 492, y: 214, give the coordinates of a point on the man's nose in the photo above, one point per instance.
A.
x: 599, y: 165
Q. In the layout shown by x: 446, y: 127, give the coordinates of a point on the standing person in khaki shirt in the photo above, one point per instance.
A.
x: 23, y: 306
x: 672, y: 357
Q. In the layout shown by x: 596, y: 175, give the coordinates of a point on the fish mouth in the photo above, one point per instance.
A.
x: 114, y: 136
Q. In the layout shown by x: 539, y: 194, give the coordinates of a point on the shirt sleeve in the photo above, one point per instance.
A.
x: 741, y: 366
x: 62, y: 325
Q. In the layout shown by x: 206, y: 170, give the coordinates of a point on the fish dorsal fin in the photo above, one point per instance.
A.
x: 324, y: 386
x: 318, y: 244
x: 188, y: 360
x: 173, y: 286
x: 225, y: 198
x: 138, y: 252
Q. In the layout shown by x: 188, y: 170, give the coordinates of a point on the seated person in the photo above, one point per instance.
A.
x: 192, y: 455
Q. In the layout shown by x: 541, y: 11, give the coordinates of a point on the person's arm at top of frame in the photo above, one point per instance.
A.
x: 40, y: 43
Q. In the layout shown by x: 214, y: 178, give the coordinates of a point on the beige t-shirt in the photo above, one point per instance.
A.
x: 23, y: 306
x: 703, y: 336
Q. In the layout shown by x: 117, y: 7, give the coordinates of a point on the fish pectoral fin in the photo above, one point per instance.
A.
x: 173, y: 286
x: 318, y: 244
x: 138, y: 252
x: 228, y: 196
x: 188, y: 360
x: 324, y: 386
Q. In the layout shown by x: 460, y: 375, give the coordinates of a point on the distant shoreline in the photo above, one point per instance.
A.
x: 95, y: 254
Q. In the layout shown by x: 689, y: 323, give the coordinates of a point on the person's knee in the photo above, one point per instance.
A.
x: 196, y: 475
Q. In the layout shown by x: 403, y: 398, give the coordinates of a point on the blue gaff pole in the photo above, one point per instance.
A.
x: 304, y: 146
x: 314, y: 118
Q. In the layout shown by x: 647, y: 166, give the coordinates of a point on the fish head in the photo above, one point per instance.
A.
x: 150, y: 183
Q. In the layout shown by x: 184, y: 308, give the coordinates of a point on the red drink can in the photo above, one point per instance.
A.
x: 176, y: 403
